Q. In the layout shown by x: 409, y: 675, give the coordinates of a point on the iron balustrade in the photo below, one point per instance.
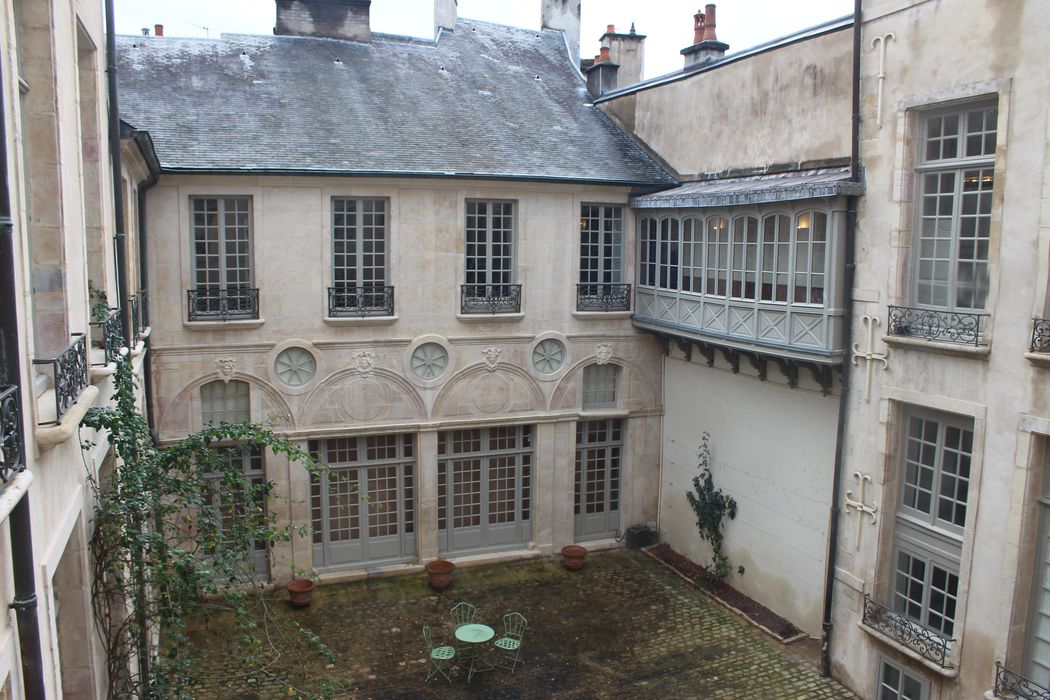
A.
x: 108, y: 335
x: 490, y: 299
x: 1014, y: 686
x: 142, y: 322
x: 12, y: 447
x: 602, y: 296
x: 924, y: 642
x: 69, y: 375
x: 222, y: 304
x: 1040, y: 335
x: 360, y: 301
x: 934, y: 324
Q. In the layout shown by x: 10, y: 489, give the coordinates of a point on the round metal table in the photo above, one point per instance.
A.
x: 475, y: 635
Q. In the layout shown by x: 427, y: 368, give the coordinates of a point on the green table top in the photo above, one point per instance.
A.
x: 475, y: 634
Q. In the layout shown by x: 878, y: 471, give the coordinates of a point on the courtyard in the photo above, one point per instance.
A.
x: 623, y: 627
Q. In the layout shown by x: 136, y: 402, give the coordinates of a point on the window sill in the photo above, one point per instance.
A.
x: 486, y: 318
x: 917, y: 658
x: 238, y: 325
x: 360, y: 320
x: 974, y: 352
x: 51, y: 435
x: 1039, y: 359
x: 597, y: 315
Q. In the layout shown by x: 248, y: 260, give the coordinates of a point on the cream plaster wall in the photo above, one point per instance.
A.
x: 943, y: 52
x: 783, y: 106
x: 773, y: 450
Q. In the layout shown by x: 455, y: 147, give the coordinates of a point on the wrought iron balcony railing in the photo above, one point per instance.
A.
x: 924, y: 642
x: 69, y: 375
x: 1014, y: 686
x: 601, y: 296
x: 108, y: 336
x: 12, y: 447
x: 490, y: 299
x: 138, y: 307
x: 933, y: 324
x: 222, y: 304
x: 1040, y: 335
x: 360, y: 301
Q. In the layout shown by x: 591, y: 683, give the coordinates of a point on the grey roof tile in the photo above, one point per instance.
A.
x: 754, y: 189
x: 470, y: 104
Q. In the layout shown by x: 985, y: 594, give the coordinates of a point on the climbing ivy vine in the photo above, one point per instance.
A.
x: 711, y: 507
x: 173, y: 529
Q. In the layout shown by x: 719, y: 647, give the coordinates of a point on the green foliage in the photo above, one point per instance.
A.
x: 711, y: 507
x: 100, y: 308
x: 174, y: 527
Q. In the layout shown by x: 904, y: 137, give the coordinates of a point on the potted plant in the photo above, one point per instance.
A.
x: 439, y: 573
x: 572, y: 556
x: 300, y: 592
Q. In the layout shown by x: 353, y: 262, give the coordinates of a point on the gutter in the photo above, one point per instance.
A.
x: 840, y: 436
x: 20, y: 524
x: 147, y: 367
x: 120, y: 237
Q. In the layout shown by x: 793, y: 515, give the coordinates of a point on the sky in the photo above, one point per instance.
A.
x: 667, y: 24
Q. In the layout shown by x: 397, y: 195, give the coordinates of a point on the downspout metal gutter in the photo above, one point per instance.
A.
x: 840, y: 436
x: 20, y: 523
x: 147, y: 365
x: 120, y: 237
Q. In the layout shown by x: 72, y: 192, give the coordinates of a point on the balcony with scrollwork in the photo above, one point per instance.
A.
x: 490, y: 299
x: 232, y: 304
x: 67, y: 376
x: 139, y: 313
x: 1011, y: 685
x: 905, y: 632
x: 12, y: 445
x: 359, y: 302
x: 937, y: 325
x: 107, y: 338
x: 603, y: 297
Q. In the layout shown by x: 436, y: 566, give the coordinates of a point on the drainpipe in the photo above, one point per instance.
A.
x: 120, y: 237
x: 147, y: 368
x: 840, y: 436
x: 19, y: 524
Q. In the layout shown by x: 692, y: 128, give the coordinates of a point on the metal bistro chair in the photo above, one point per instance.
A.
x: 440, y: 658
x: 462, y: 614
x: 509, y: 644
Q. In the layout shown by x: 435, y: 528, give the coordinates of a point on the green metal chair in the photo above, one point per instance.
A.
x: 462, y: 614
x: 509, y: 645
x: 440, y: 658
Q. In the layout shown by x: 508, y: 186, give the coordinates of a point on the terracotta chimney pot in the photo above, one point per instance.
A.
x: 610, y: 29
x: 709, y: 24
x: 604, y: 56
x: 158, y: 30
x: 698, y: 27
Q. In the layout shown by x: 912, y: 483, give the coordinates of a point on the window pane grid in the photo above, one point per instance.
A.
x: 359, y: 247
x: 599, y: 385
x: 597, y: 470
x: 601, y: 244
x: 225, y: 401
x: 490, y: 242
x: 222, y: 254
x: 492, y: 462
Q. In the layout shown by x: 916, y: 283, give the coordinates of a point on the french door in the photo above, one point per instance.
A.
x: 596, y: 502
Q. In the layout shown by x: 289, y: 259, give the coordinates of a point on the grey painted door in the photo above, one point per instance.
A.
x: 599, y: 452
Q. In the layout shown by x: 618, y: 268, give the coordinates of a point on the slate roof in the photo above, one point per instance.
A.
x: 485, y: 101
x: 754, y: 189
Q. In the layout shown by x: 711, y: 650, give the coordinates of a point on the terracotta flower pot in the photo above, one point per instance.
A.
x: 300, y: 592
x: 572, y: 556
x: 439, y: 573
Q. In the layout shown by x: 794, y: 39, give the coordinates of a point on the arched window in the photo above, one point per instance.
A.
x: 811, y: 236
x: 776, y: 257
x: 693, y: 255
x: 647, y: 254
x: 744, y: 271
x: 668, y: 253
x: 225, y: 401
x: 717, y: 264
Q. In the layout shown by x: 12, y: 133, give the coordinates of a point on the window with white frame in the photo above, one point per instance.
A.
x: 490, y: 243
x: 599, y: 385
x: 601, y: 244
x: 955, y: 173
x: 936, y: 458
x: 222, y: 243
x: 359, y: 242
x: 770, y: 258
x: 225, y: 401
x: 898, y: 683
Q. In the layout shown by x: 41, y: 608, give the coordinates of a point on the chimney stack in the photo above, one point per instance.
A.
x: 563, y: 15
x: 158, y: 30
x: 706, y: 48
x: 628, y: 52
x: 445, y: 12
x: 331, y: 19
x: 601, y: 76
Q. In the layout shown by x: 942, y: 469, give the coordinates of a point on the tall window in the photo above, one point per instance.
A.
x: 936, y: 456
x: 955, y: 176
x: 225, y: 401
x: 744, y: 257
x: 359, y: 242
x: 1037, y: 646
x: 222, y: 259
x: 601, y: 244
x: 490, y: 242
x: 599, y: 385
x: 717, y: 262
x: 896, y: 683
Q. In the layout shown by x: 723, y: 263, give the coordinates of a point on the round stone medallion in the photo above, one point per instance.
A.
x: 295, y: 366
x: 548, y: 356
x: 429, y: 361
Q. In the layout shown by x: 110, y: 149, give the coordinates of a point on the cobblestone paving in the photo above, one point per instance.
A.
x: 623, y: 627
